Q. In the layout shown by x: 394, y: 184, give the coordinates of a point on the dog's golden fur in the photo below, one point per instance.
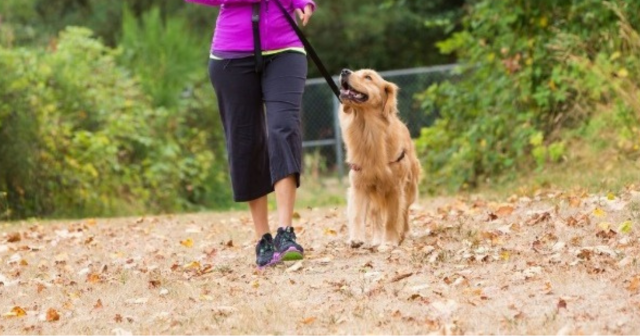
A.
x: 384, y: 168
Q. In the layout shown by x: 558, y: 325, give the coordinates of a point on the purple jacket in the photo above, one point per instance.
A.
x: 234, y: 32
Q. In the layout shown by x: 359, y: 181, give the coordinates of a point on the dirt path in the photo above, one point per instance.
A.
x: 555, y: 263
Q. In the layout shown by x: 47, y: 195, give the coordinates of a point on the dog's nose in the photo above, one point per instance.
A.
x: 345, y: 72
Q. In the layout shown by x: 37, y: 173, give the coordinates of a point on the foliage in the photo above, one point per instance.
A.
x: 78, y: 136
x: 521, y: 87
x: 385, y: 35
x: 37, y: 21
x: 160, y: 54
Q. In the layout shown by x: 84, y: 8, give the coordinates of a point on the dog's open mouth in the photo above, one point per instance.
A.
x: 349, y: 93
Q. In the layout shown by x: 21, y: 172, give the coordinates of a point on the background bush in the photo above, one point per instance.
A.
x: 535, y: 77
x: 85, y: 139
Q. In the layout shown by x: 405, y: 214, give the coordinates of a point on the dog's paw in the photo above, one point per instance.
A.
x: 385, y: 247
x: 356, y: 243
x: 388, y: 246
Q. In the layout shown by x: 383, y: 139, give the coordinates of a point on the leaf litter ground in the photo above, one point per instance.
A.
x: 557, y: 262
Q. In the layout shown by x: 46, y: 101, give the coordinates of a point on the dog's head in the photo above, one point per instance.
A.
x: 367, y: 89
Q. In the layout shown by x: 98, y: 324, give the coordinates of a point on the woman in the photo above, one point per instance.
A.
x: 264, y: 149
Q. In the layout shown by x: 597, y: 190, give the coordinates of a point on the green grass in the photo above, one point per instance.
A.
x: 593, y: 171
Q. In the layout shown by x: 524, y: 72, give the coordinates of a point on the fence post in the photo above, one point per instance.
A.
x: 338, y: 137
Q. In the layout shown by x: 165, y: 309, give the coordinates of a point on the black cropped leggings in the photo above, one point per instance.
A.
x: 261, y: 118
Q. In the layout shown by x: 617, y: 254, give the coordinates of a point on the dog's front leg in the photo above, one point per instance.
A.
x: 356, y: 210
x: 393, y: 223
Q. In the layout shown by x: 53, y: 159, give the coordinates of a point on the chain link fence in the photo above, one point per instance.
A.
x: 322, y: 143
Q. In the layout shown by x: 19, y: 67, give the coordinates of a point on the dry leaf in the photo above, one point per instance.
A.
x: 505, y: 210
x: 296, y: 215
x: 15, y: 312
x: 295, y: 267
x: 538, y: 218
x: 187, y: 242
x: 94, y: 278
x: 309, y: 320
x: 599, y: 212
x: 52, y: 315
x: 625, y: 227
x: 634, y: 284
x: 229, y: 243
x: 98, y: 304
x: 192, y: 265
x: 400, y: 277
x: 606, y: 234
x: 118, y: 318
x: 562, y: 304
x: 505, y: 255
x: 14, y: 237
x: 330, y: 232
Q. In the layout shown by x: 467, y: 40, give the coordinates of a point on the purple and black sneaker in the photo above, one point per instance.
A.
x: 265, y: 252
x: 286, y: 246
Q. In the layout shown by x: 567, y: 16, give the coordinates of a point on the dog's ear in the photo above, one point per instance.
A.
x: 390, y: 101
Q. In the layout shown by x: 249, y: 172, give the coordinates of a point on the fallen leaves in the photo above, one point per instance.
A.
x: 52, y: 315
x: 16, y: 311
x: 598, y: 212
x: 538, y: 217
x: 187, y: 242
x: 400, y: 277
x: 14, y: 237
x: 453, y: 263
x: 626, y: 227
x: 561, y: 304
x: 192, y: 265
x: 295, y: 267
x: 309, y: 320
x: 330, y: 232
x: 504, y: 211
x: 94, y: 278
x: 634, y: 284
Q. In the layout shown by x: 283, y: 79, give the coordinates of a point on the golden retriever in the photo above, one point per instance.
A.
x: 385, y: 171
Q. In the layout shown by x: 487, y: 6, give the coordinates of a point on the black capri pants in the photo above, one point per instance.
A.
x: 262, y: 148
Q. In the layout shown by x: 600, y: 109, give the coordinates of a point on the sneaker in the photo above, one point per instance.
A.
x: 265, y: 251
x: 286, y: 246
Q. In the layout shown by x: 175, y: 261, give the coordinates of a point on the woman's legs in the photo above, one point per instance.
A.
x: 259, y: 214
x: 265, y: 154
x: 285, y: 200
x: 239, y: 92
x: 283, y: 84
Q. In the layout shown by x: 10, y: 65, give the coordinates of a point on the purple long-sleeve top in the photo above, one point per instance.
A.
x: 234, y: 32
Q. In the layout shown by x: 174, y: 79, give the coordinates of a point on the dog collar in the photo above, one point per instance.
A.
x: 356, y: 167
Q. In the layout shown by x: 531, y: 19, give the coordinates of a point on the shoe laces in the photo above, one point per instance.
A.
x: 288, y: 234
x: 265, y: 245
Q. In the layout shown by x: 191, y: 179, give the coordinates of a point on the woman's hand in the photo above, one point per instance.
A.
x: 305, y: 14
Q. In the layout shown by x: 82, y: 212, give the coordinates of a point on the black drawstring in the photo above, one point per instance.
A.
x: 257, y: 49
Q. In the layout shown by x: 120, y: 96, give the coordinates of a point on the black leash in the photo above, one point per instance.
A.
x: 307, y: 46
x: 255, y: 20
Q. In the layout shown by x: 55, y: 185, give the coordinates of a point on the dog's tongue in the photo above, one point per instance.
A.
x: 351, y: 94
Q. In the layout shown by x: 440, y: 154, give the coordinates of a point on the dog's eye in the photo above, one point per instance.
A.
x: 368, y: 77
